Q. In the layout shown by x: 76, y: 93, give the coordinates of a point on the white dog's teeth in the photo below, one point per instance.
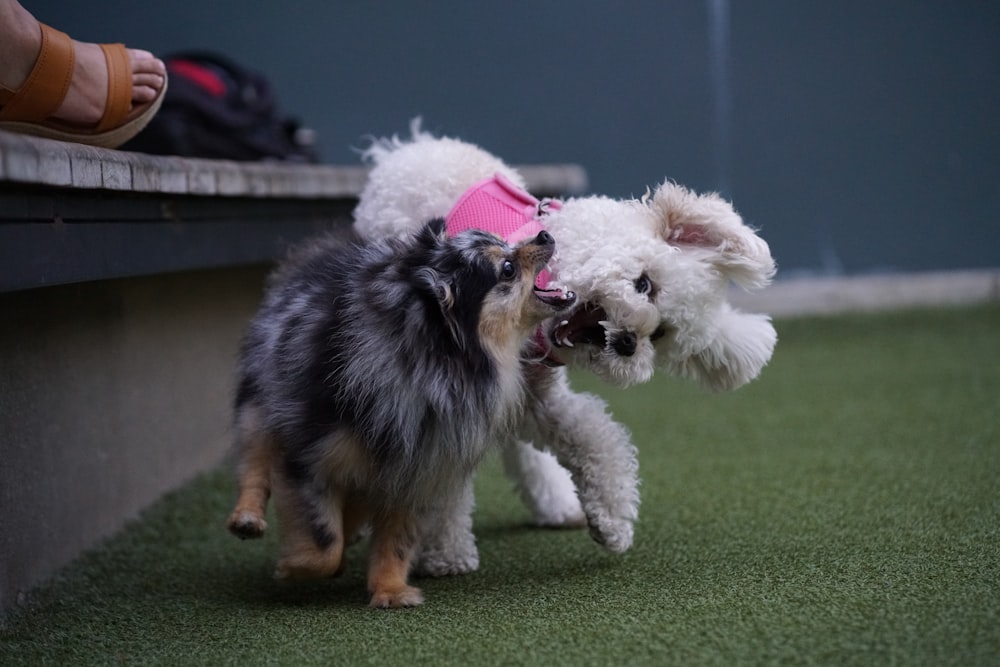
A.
x: 604, y: 323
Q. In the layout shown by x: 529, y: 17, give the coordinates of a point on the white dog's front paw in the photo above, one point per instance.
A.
x: 434, y: 563
x: 564, y: 512
x: 615, y: 535
x: 544, y: 486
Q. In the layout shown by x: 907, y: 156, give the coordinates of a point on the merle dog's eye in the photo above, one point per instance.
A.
x: 643, y: 285
x: 508, y: 270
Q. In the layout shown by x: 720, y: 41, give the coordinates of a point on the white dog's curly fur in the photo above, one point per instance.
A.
x: 651, y: 276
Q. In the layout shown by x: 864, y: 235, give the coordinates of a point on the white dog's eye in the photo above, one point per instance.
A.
x: 643, y: 285
x: 508, y: 270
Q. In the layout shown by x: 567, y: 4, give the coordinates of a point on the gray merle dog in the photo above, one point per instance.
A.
x: 372, y: 381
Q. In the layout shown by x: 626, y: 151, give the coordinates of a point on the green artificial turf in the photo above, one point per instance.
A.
x: 842, y: 509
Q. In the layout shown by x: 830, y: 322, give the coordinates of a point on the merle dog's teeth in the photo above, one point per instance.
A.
x: 605, y: 323
x: 564, y: 323
x: 567, y: 342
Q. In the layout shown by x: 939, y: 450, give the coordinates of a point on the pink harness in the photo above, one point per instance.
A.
x: 496, y: 205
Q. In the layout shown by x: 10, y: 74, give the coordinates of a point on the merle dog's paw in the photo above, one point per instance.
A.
x: 246, y: 524
x: 396, y: 598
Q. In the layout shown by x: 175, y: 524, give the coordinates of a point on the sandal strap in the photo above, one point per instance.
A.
x: 119, y: 100
x: 44, y: 89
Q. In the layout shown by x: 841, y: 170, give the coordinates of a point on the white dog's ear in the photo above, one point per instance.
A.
x: 739, y: 347
x: 709, y: 225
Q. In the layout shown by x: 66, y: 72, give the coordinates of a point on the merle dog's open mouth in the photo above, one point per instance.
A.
x: 556, y: 298
x: 582, y: 326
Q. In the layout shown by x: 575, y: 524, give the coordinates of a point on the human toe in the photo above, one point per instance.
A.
x: 145, y: 88
x: 144, y: 61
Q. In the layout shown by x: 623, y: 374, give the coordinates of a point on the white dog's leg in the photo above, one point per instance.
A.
x: 544, y: 486
x: 447, y: 543
x: 597, y: 451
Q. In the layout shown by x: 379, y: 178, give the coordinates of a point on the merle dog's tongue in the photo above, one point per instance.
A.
x: 555, y: 297
x: 542, y: 281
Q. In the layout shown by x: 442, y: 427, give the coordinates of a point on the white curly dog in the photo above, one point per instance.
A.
x: 651, y: 277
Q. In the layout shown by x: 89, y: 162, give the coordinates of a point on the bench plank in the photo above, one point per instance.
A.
x: 71, y: 213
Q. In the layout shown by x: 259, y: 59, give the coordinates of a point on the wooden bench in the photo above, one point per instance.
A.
x: 113, y: 214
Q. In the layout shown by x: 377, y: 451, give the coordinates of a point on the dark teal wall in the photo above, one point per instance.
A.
x: 858, y: 135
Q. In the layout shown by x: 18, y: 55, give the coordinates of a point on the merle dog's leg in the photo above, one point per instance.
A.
x: 312, y: 529
x: 395, y: 535
x: 256, y: 449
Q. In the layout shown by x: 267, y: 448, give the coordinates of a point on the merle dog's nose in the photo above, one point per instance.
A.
x: 544, y: 238
x: 624, y: 343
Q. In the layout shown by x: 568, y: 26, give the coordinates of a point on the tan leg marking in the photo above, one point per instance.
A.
x: 393, y: 545
x: 301, y: 557
x: 258, y: 452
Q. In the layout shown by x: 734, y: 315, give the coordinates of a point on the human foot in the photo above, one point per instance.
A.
x: 85, y: 96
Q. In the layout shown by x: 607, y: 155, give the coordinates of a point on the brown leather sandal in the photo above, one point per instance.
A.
x: 29, y: 109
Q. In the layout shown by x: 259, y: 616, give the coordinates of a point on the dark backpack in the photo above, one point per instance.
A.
x: 217, y: 109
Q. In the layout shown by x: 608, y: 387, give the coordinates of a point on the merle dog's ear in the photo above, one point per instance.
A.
x: 436, y: 226
x: 433, y: 233
x: 433, y: 237
x: 444, y: 295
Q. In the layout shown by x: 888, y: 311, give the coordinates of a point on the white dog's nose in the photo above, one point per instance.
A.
x: 624, y: 343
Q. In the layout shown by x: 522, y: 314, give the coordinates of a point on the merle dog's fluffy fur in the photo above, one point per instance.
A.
x: 371, y: 382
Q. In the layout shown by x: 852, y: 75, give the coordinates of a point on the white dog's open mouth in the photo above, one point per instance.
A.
x: 584, y: 325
